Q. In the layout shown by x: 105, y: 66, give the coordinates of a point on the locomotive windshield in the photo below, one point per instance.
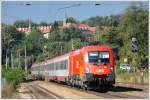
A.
x: 98, y: 57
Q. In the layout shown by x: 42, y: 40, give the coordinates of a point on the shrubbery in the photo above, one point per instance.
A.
x: 14, y: 76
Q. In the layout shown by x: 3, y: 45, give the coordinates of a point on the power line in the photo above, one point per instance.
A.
x: 95, y: 3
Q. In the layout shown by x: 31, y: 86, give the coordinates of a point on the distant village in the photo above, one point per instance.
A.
x: 46, y: 30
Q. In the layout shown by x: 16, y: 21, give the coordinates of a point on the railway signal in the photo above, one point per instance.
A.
x: 134, y: 44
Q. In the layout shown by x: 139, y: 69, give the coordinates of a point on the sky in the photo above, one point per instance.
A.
x: 48, y: 11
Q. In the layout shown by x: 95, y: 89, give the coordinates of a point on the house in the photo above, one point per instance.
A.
x: 45, y: 30
x: 24, y: 30
x: 84, y: 28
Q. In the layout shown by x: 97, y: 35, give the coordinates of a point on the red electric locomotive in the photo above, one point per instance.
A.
x: 89, y: 67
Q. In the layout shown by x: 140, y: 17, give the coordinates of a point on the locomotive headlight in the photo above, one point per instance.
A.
x: 87, y: 70
x: 111, y: 69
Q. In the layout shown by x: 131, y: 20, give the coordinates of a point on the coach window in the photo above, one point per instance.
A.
x: 45, y: 67
x: 36, y: 68
x: 66, y: 64
x: 52, y: 66
x: 49, y: 66
x: 39, y: 68
x: 60, y: 65
x: 63, y: 64
x: 56, y: 66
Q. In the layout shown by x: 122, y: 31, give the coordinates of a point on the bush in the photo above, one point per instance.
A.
x: 14, y: 76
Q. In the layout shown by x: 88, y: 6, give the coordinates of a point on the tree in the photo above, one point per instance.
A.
x: 10, y: 38
x: 34, y: 42
x: 43, y: 24
x: 55, y: 26
x: 21, y: 23
x: 112, y: 20
x: 135, y: 23
x: 70, y: 33
x: 71, y: 20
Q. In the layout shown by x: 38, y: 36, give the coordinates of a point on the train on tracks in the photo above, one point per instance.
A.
x: 90, y: 67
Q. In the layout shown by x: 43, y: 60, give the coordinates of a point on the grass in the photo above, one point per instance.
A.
x: 124, y: 76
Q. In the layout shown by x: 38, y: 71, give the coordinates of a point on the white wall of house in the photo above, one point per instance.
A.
x: 46, y: 35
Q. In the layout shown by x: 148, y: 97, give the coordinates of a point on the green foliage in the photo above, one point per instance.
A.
x: 70, y: 33
x: 114, y: 30
x: 135, y: 23
x: 112, y: 20
x: 14, y: 76
x: 21, y: 23
x: 34, y: 42
x: 71, y: 20
x: 40, y: 58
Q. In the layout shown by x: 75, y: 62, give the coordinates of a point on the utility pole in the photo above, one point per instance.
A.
x: 61, y: 50
x: 18, y: 55
x: 134, y: 50
x: 12, y: 65
x: 25, y: 59
x: 60, y: 44
x: 6, y: 60
x: 29, y: 23
x: 72, y: 44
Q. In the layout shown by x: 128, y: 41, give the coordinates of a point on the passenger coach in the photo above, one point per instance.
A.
x: 88, y: 67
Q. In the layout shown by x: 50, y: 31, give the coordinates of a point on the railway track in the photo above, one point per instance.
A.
x: 40, y: 93
x: 118, y: 92
x: 114, y: 92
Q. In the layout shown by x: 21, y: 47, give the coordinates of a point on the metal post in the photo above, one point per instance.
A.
x: 72, y: 44
x: 12, y: 65
x: 19, y: 60
x: 142, y: 77
x: 25, y: 59
x: 61, y: 50
x: 134, y: 68
x: 6, y: 60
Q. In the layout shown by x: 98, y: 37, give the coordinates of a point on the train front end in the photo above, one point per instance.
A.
x: 99, y: 67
